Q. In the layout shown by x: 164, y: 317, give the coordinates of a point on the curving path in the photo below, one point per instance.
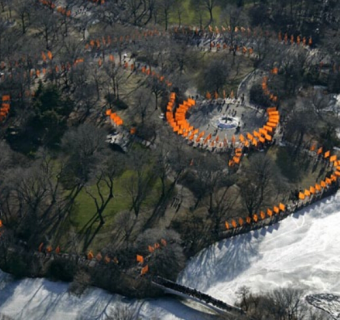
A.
x: 176, y: 116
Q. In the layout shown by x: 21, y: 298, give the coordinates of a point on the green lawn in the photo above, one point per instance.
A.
x: 85, y: 208
x: 189, y: 19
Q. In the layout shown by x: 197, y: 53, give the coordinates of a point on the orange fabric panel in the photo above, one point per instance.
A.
x: 272, y: 124
x: 144, y: 270
x: 90, y: 255
x: 99, y: 257
x: 267, y: 128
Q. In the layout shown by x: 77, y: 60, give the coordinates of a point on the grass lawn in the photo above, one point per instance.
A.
x: 85, y: 208
x: 189, y: 19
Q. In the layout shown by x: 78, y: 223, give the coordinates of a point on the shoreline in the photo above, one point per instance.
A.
x: 140, y: 286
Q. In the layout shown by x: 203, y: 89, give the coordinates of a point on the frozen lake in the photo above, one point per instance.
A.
x: 301, y: 251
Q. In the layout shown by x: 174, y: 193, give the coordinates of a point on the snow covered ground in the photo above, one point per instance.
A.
x: 301, y: 251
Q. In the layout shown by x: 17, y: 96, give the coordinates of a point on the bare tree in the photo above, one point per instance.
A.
x: 209, y: 5
x: 281, y: 304
x: 287, y: 303
x: 158, y: 88
x: 140, y: 181
x: 122, y: 313
x: 46, y: 23
x: 105, y: 175
x: 258, y: 184
x: 216, y: 75
x: 117, y: 78
x: 232, y: 17
x: 23, y: 9
x: 165, y: 11
x: 84, y: 147
x: 142, y: 104
x: 167, y: 259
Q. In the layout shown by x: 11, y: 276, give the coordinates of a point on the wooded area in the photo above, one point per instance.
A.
x: 110, y: 152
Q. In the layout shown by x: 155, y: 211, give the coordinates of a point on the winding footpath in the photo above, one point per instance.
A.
x: 177, y: 119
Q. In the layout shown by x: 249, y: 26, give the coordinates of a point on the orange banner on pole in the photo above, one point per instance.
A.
x: 99, y: 256
x: 332, y: 158
x: 90, y: 255
x: 144, y: 270
x: 140, y: 258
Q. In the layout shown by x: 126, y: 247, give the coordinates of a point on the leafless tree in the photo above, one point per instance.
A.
x: 84, y: 147
x: 165, y: 11
x: 216, y: 75
x: 23, y: 9
x: 46, y: 23
x: 287, y: 303
x: 117, y: 78
x: 122, y: 313
x: 259, y: 183
x: 209, y: 5
x: 142, y: 104
x: 232, y: 17
x: 167, y: 259
x: 104, y: 178
x: 139, y: 183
